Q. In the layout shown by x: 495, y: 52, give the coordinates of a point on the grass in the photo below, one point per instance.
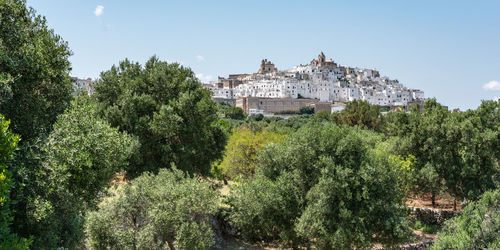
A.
x: 428, y: 229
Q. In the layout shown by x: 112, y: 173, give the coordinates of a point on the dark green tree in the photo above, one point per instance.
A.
x: 34, y: 83
x: 235, y: 113
x: 34, y: 89
x: 359, y: 113
x: 306, y: 110
x: 165, y: 106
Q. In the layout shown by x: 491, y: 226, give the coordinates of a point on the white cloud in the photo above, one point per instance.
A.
x: 200, y: 58
x: 99, y: 10
x: 204, y: 78
x: 493, y: 85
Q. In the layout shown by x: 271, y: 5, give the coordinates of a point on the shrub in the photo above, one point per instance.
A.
x: 155, y: 212
x: 476, y: 228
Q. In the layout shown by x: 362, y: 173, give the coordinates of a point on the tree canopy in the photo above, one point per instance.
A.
x: 324, y: 182
x: 240, y: 157
x: 34, y: 83
x: 359, y: 113
x: 166, y: 107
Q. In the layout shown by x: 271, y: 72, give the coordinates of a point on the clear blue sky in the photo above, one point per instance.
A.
x: 448, y: 49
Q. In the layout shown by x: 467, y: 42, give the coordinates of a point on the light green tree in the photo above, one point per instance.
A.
x: 8, y: 143
x: 240, y: 157
x: 79, y: 159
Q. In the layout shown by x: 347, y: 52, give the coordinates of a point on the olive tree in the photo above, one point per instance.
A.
x: 154, y: 212
x: 331, y: 186
x: 77, y: 162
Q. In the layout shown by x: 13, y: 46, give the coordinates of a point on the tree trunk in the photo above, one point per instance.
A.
x: 455, y: 204
x: 170, y: 244
x: 433, y: 198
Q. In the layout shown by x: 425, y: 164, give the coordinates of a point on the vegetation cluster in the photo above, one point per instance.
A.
x: 137, y: 165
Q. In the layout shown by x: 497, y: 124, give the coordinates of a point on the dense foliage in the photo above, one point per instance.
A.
x: 359, y: 113
x: 319, y: 180
x: 8, y: 143
x: 166, y: 107
x: 155, y: 212
x: 83, y: 153
x: 240, y: 156
x: 34, y: 83
x: 328, y: 183
x: 458, y: 152
x: 477, y: 228
x: 235, y: 113
x: 78, y: 160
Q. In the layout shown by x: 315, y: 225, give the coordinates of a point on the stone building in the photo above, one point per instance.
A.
x: 273, y: 105
x: 321, y: 79
x: 82, y: 85
x: 267, y: 67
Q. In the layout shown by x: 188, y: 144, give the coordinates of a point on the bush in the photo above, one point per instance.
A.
x: 264, y: 210
x: 476, y: 228
x: 429, y: 229
x: 155, y: 212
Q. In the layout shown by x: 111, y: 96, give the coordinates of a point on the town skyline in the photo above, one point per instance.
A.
x: 449, y: 51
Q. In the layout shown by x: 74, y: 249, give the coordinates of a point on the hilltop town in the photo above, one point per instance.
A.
x: 322, y: 81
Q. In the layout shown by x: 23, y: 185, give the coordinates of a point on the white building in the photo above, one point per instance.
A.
x: 324, y: 80
x: 82, y: 85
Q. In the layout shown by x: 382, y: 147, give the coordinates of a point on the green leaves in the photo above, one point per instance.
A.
x: 333, y: 187
x: 35, y: 61
x: 359, y: 113
x: 84, y: 152
x: 167, y: 109
x: 8, y: 143
x: 455, y: 151
x: 240, y: 157
x: 235, y: 113
x: 477, y: 227
x: 154, y: 212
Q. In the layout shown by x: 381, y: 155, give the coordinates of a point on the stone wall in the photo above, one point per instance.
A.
x: 431, y: 216
x: 416, y: 246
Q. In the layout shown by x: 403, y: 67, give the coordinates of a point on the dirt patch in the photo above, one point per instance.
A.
x: 443, y: 202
